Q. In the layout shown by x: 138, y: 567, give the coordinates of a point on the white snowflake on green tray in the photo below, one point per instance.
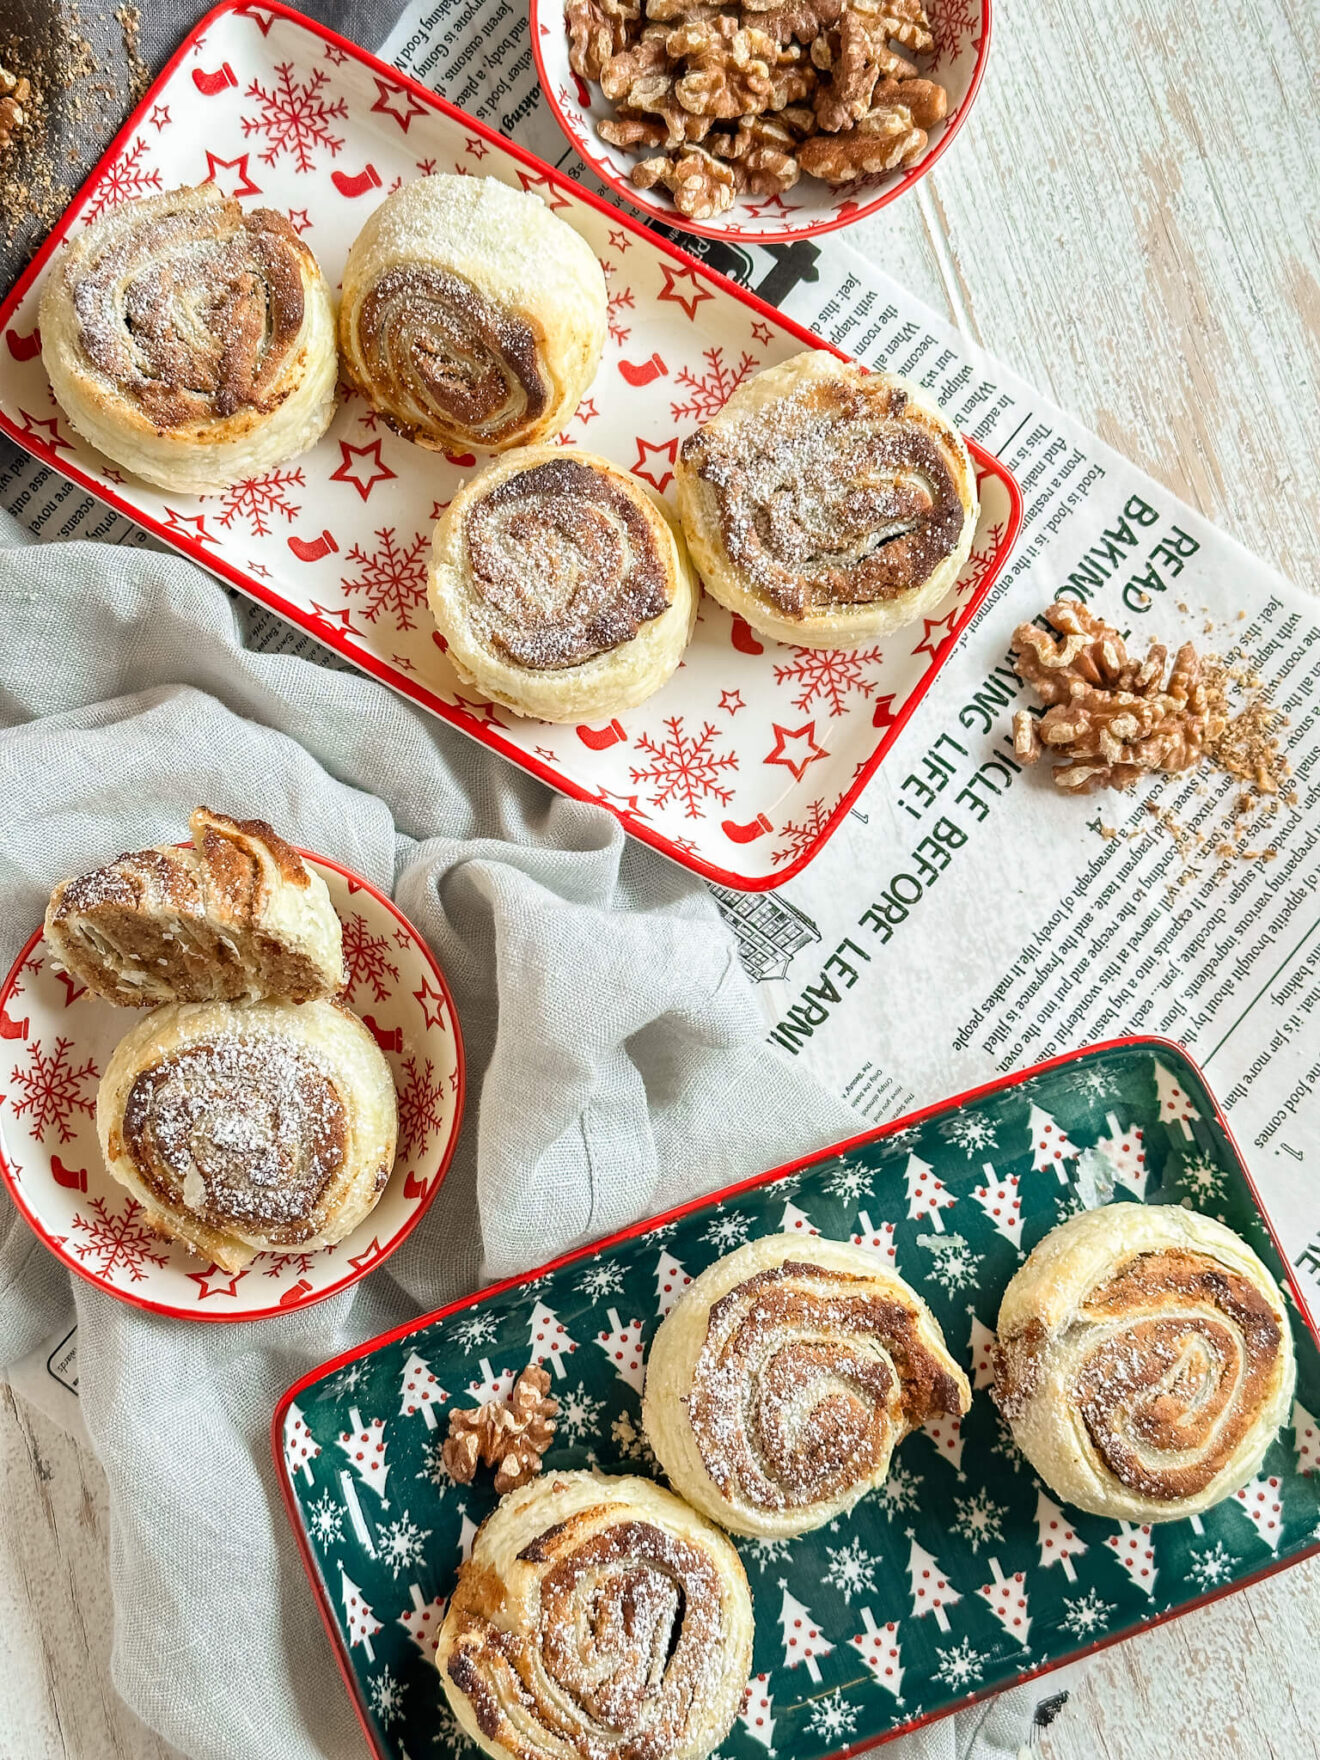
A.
x: 959, y: 1665
x: 1004, y: 1444
x: 851, y: 1569
x: 629, y: 1440
x: 726, y: 1230
x: 980, y: 1520
x: 401, y: 1543
x: 832, y: 1716
x: 766, y: 1549
x: 1084, y: 1614
x: 579, y: 1414
x: 474, y: 1330
x: 347, y: 1381
x: 972, y: 1132
x: 326, y: 1519
x: 848, y: 1181
x: 601, y: 1279
x: 447, y: 1733
x: 1210, y: 1565
x: 901, y: 1490
x: 385, y: 1693
x: 1204, y: 1179
x: 433, y: 1465
x: 955, y: 1265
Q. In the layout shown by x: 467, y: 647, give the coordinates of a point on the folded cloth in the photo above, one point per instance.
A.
x: 617, y: 1061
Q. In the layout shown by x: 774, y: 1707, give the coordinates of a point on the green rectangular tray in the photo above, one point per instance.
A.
x: 357, y: 1442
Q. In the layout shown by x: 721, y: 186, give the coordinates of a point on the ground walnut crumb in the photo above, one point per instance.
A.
x: 15, y: 92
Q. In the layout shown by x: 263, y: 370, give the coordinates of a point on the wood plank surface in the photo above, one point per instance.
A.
x: 1130, y: 219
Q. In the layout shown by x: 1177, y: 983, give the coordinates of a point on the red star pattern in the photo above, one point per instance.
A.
x: 760, y: 332
x: 675, y: 279
x: 474, y: 145
x: 52, y: 440
x: 731, y: 701
x: 348, y: 473
x: 300, y: 220
x: 238, y: 183
x: 805, y: 744
x: 587, y: 411
x: 535, y: 184
x: 397, y: 102
x: 938, y: 636
x: 337, y: 57
x: 216, y: 1282
x: 367, y: 1256
x: 546, y: 753
x: 328, y: 619
x: 258, y: 568
x: 160, y: 116
x: 189, y: 525
x: 426, y: 996
x: 111, y: 475
x: 482, y: 711
x: 620, y: 241
x: 666, y: 449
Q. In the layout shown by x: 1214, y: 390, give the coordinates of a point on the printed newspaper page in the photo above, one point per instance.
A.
x: 969, y: 919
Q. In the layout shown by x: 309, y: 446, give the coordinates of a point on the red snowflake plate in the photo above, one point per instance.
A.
x: 748, y: 759
x: 58, y: 1040
x: 961, y: 29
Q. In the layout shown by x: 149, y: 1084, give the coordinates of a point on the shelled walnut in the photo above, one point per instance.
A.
x: 730, y: 100
x: 511, y: 1438
x: 14, y: 94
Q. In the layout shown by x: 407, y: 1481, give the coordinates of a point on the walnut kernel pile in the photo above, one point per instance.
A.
x: 732, y: 100
x: 14, y: 93
x: 511, y: 1438
x: 1111, y: 719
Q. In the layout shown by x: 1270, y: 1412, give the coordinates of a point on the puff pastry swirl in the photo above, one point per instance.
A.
x: 779, y: 1385
x: 825, y: 505
x: 599, y: 1618
x: 189, y: 341
x: 471, y: 315
x: 247, y: 1128
x: 1145, y: 1361
x: 240, y: 914
x: 560, y: 585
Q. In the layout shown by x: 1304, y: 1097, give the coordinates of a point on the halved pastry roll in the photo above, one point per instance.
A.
x: 779, y: 1385
x: 248, y: 1128
x: 189, y: 341
x: 560, y: 585
x: 471, y: 315
x: 597, y: 1617
x: 826, y: 505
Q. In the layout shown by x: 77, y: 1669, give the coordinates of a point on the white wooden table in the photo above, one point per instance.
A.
x: 1130, y: 219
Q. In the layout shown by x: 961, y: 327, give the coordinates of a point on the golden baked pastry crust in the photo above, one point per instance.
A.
x: 827, y: 506
x: 1145, y: 1361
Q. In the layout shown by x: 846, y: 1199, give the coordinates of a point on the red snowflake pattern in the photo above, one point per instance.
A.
x: 51, y: 1090
x: 299, y: 1263
x: 950, y: 22
x: 981, y: 560
x: 802, y: 837
x: 365, y: 961
x: 257, y: 500
x: 829, y: 675
x: 117, y: 1241
x: 423, y: 1107
x: 622, y: 301
x: 295, y: 117
x: 711, y: 390
x: 684, y: 769
x: 126, y: 179
x: 392, y: 578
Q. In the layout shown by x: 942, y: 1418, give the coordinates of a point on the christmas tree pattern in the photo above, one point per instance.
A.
x: 1262, y: 1501
x: 1132, y: 1547
x: 492, y: 1386
x: 670, y: 1282
x: 804, y: 1644
x: 361, y: 1621
x: 1051, y: 1146
x: 757, y: 1714
x: 878, y: 1647
x: 300, y: 1446
x: 1306, y: 1438
x: 623, y: 1345
x: 795, y: 1221
x: 1125, y: 1152
x: 925, y: 1194
x: 364, y: 1444
x: 945, y: 1431
x: 422, y: 1619
x: 879, y: 1240
x: 1059, y: 1543
x: 1002, y: 1203
x: 983, y: 1346
x: 421, y: 1392
x: 550, y: 1340
x: 1174, y: 1103
x: 931, y: 1591
x: 467, y: 1533
x: 1006, y: 1598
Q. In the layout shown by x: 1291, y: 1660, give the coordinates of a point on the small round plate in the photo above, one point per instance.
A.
x: 57, y: 1039
x: 961, y: 29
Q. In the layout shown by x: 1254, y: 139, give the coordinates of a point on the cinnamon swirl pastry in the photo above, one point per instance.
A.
x: 827, y: 506
x: 471, y: 315
x: 238, y: 915
x: 561, y: 586
x: 248, y: 1128
x: 780, y: 1383
x: 192, y: 343
x: 1145, y: 1361
x: 597, y: 1617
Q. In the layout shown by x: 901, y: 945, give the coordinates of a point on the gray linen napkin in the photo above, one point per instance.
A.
x: 617, y: 1060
